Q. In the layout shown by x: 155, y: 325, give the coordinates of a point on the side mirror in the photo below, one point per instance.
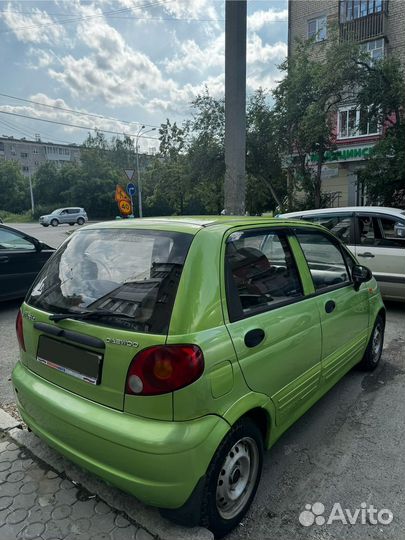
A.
x: 399, y: 230
x: 360, y: 274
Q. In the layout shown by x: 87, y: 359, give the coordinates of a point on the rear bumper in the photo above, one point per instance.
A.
x: 158, y: 462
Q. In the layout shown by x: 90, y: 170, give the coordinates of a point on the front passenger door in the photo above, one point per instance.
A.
x: 344, y: 312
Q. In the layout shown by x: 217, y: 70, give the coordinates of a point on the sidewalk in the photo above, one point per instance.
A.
x: 43, y: 496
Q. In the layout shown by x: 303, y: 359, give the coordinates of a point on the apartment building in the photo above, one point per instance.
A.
x: 379, y: 26
x: 31, y: 154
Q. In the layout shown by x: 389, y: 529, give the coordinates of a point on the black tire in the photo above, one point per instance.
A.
x: 80, y: 221
x: 54, y: 223
x: 71, y: 224
x: 45, y: 224
x: 219, y: 516
x: 374, y: 349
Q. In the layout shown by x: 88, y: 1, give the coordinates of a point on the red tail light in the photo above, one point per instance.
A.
x: 19, y: 330
x: 163, y: 369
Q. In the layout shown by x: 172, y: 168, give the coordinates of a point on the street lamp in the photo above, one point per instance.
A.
x: 139, y: 134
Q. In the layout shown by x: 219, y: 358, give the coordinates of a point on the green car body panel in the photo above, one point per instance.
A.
x: 158, y: 447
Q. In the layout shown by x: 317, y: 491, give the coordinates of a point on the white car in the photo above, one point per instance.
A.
x: 376, y: 236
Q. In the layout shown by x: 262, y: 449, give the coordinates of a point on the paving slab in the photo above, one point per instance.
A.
x: 45, y: 496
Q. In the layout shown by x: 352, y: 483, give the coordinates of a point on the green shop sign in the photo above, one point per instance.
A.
x: 345, y: 154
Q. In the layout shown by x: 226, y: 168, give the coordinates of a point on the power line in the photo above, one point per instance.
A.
x: 30, y: 134
x: 99, y: 116
x: 93, y: 128
x: 86, y: 17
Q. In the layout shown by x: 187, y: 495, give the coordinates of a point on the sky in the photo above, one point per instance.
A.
x: 122, y: 64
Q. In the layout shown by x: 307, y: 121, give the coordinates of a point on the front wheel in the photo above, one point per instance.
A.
x: 232, y: 478
x: 45, y: 224
x: 374, y: 349
x: 54, y: 223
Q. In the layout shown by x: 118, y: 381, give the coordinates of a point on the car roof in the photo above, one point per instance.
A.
x: 358, y: 209
x: 190, y: 224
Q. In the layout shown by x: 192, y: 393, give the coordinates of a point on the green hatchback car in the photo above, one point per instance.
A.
x: 166, y: 354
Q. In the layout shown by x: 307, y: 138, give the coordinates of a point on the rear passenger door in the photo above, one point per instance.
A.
x: 381, y: 246
x: 275, y: 329
x: 344, y: 312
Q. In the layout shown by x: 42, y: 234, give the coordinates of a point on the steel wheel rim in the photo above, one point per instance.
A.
x: 376, y: 345
x: 237, y: 477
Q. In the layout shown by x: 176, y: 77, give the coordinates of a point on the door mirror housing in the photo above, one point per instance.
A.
x: 360, y: 274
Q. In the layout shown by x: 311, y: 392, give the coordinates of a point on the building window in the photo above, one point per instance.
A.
x: 354, y: 9
x: 374, y: 48
x: 317, y: 29
x: 24, y: 154
x: 25, y: 168
x: 355, y: 122
x: 35, y: 151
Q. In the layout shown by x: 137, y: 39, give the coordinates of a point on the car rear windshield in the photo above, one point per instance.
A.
x: 131, y: 273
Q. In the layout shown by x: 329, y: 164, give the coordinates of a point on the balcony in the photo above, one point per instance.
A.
x: 371, y: 26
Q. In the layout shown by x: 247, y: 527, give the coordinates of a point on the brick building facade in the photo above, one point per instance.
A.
x: 379, y: 26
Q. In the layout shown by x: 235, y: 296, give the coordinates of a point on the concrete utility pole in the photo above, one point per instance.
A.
x: 138, y: 172
x: 235, y: 106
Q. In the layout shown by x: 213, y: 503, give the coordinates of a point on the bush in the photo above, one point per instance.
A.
x: 9, y: 217
x: 42, y: 209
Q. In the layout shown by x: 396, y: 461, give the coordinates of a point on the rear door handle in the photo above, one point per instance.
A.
x: 254, y: 337
x: 366, y: 254
x: 330, y: 306
x: 4, y: 259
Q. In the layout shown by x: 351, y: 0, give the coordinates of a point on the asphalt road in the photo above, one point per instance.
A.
x: 348, y: 449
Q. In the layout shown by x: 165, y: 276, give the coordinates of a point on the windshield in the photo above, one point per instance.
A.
x: 56, y: 211
x: 130, y: 272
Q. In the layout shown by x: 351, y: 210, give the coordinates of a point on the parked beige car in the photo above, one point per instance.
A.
x: 376, y: 235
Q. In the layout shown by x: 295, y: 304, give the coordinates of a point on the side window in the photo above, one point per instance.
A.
x: 339, y: 225
x: 369, y: 231
x: 325, y: 259
x: 393, y: 232
x: 260, y: 272
x: 12, y: 241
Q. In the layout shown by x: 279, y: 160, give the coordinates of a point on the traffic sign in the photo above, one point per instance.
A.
x: 129, y: 173
x: 131, y: 189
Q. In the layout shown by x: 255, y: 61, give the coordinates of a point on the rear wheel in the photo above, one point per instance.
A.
x: 80, y: 221
x: 232, y: 478
x: 54, y: 223
x: 374, y: 349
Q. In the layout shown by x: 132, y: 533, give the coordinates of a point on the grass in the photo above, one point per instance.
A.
x: 9, y: 217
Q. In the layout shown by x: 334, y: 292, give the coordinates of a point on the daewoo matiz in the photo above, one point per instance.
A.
x: 166, y: 354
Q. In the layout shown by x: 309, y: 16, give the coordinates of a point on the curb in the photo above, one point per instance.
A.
x: 146, y: 517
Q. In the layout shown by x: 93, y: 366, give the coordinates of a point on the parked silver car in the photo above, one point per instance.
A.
x: 376, y: 236
x: 70, y: 215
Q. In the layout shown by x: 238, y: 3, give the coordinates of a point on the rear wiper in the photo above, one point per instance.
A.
x: 88, y: 315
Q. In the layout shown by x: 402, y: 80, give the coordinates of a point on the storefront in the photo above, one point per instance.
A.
x: 339, y: 174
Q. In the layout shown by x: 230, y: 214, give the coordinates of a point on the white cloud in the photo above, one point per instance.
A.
x: 55, y: 115
x: 38, y: 27
x: 260, y: 19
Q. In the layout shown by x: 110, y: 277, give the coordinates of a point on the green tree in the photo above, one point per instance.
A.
x: 383, y: 95
x: 14, y: 188
x: 266, y: 182
x: 306, y: 102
